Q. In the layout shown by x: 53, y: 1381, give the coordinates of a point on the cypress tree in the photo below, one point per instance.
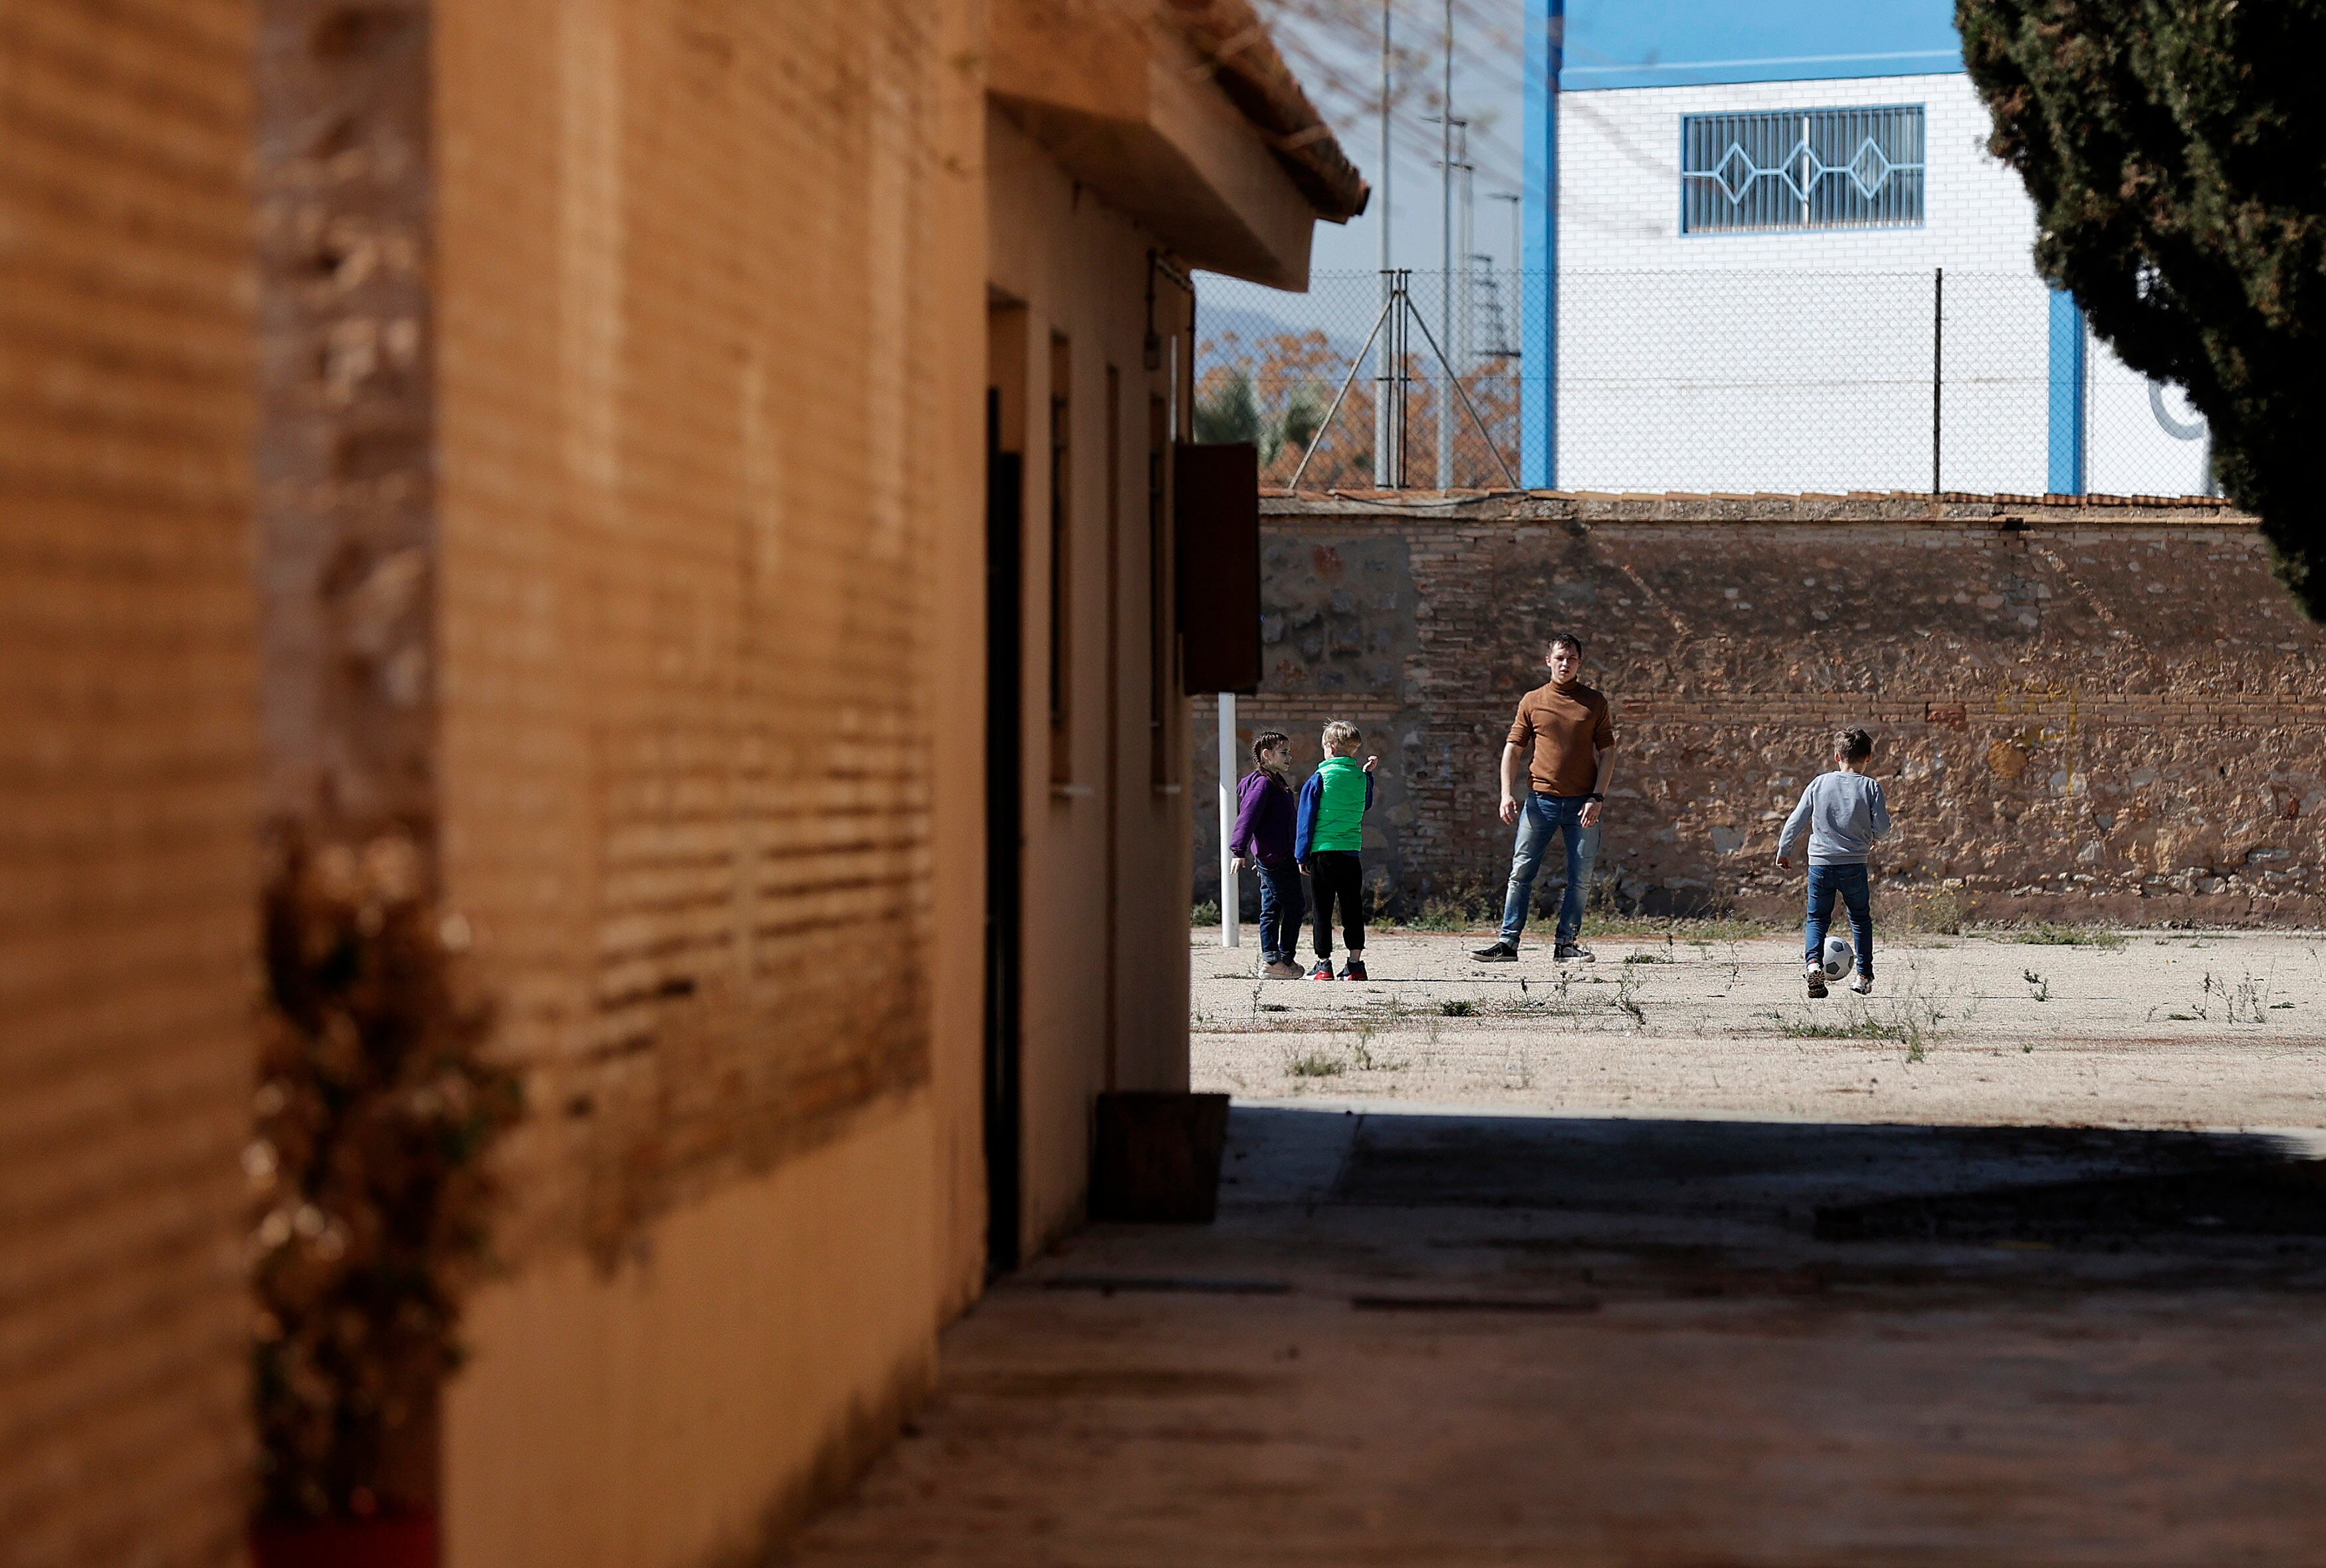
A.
x: 2176, y: 152
x: 1228, y: 411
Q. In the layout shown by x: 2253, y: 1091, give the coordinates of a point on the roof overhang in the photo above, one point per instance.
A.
x: 1182, y: 115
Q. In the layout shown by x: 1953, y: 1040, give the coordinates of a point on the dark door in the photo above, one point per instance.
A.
x: 1005, y: 474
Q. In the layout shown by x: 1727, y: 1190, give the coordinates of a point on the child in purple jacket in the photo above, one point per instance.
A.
x: 1263, y: 835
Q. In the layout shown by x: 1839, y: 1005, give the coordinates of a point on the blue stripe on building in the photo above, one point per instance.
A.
x: 1539, y: 309
x: 2069, y: 379
x: 1650, y: 43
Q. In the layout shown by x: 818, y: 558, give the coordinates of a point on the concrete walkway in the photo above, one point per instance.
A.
x: 1468, y: 1339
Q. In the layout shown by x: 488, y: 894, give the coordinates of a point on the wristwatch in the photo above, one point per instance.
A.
x: 1595, y: 796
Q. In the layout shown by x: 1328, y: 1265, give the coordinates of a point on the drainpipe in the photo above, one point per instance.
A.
x: 1230, y: 892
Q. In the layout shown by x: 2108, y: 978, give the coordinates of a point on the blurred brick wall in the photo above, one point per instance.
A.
x: 2083, y: 711
x: 128, y: 780
x: 701, y: 422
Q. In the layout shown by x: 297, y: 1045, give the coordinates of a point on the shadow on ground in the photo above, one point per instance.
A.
x: 1471, y: 1339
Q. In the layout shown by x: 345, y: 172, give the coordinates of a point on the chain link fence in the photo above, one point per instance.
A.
x: 1695, y: 381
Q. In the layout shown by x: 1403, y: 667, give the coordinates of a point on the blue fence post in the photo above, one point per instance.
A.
x: 1545, y: 26
x: 2067, y: 402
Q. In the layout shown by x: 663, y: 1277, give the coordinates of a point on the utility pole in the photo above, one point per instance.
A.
x: 1464, y: 346
x: 1446, y: 248
x: 1454, y: 300
x: 1515, y: 309
x: 1385, y: 473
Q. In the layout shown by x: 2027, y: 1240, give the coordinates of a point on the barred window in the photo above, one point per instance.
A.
x: 1789, y: 168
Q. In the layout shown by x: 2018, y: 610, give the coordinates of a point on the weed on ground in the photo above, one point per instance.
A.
x: 1709, y: 928
x: 2050, y: 933
x: 1860, y: 1028
x: 1440, y: 915
x: 1913, y: 1018
x: 2244, y: 1001
x: 1939, y: 911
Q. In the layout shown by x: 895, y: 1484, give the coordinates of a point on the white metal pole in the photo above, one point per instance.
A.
x: 1446, y: 250
x: 1465, y: 346
x: 1384, y: 433
x: 1230, y: 892
x: 1514, y: 310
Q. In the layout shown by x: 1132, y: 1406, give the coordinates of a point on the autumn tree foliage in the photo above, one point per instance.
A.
x: 1275, y: 390
x: 2176, y: 152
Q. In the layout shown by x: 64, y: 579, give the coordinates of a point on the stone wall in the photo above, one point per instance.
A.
x: 2083, y: 710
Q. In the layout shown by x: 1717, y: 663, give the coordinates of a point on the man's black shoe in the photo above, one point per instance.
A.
x: 1501, y: 952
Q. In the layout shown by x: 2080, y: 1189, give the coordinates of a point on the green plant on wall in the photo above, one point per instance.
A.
x: 374, y: 1112
x: 1226, y: 410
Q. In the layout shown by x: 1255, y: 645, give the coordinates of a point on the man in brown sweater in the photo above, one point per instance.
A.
x: 1563, y: 740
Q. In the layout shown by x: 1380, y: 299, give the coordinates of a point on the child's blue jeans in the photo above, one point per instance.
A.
x: 1850, y: 883
x: 1281, y: 906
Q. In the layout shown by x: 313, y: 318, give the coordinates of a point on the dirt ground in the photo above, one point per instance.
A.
x: 2163, y: 1029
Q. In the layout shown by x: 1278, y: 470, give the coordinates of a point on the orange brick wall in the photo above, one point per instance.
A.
x: 127, y: 779
x: 708, y: 312
x: 702, y: 437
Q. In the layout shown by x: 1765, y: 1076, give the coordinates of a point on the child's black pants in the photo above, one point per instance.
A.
x: 1337, y: 876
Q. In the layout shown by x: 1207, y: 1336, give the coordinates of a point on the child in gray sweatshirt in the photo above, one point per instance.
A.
x: 1843, y: 813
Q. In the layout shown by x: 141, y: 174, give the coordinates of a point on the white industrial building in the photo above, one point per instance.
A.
x: 1779, y: 258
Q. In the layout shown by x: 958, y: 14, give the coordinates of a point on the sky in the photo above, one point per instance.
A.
x: 1335, y: 47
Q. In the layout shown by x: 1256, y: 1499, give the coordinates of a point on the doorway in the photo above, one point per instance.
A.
x: 1004, y: 834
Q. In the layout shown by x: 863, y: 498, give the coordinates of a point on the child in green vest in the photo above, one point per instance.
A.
x: 1330, y: 833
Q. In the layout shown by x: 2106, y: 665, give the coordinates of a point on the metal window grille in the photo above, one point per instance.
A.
x: 1793, y: 169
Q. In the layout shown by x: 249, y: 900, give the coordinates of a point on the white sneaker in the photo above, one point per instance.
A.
x: 1863, y: 985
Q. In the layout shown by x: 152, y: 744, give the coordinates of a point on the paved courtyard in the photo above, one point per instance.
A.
x: 2019, y: 1264
x: 1573, y: 1341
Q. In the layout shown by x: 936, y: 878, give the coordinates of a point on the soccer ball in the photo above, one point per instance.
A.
x: 1839, y: 958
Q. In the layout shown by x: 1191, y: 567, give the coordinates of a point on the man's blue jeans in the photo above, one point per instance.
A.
x: 1540, y: 816
x: 1849, y: 881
